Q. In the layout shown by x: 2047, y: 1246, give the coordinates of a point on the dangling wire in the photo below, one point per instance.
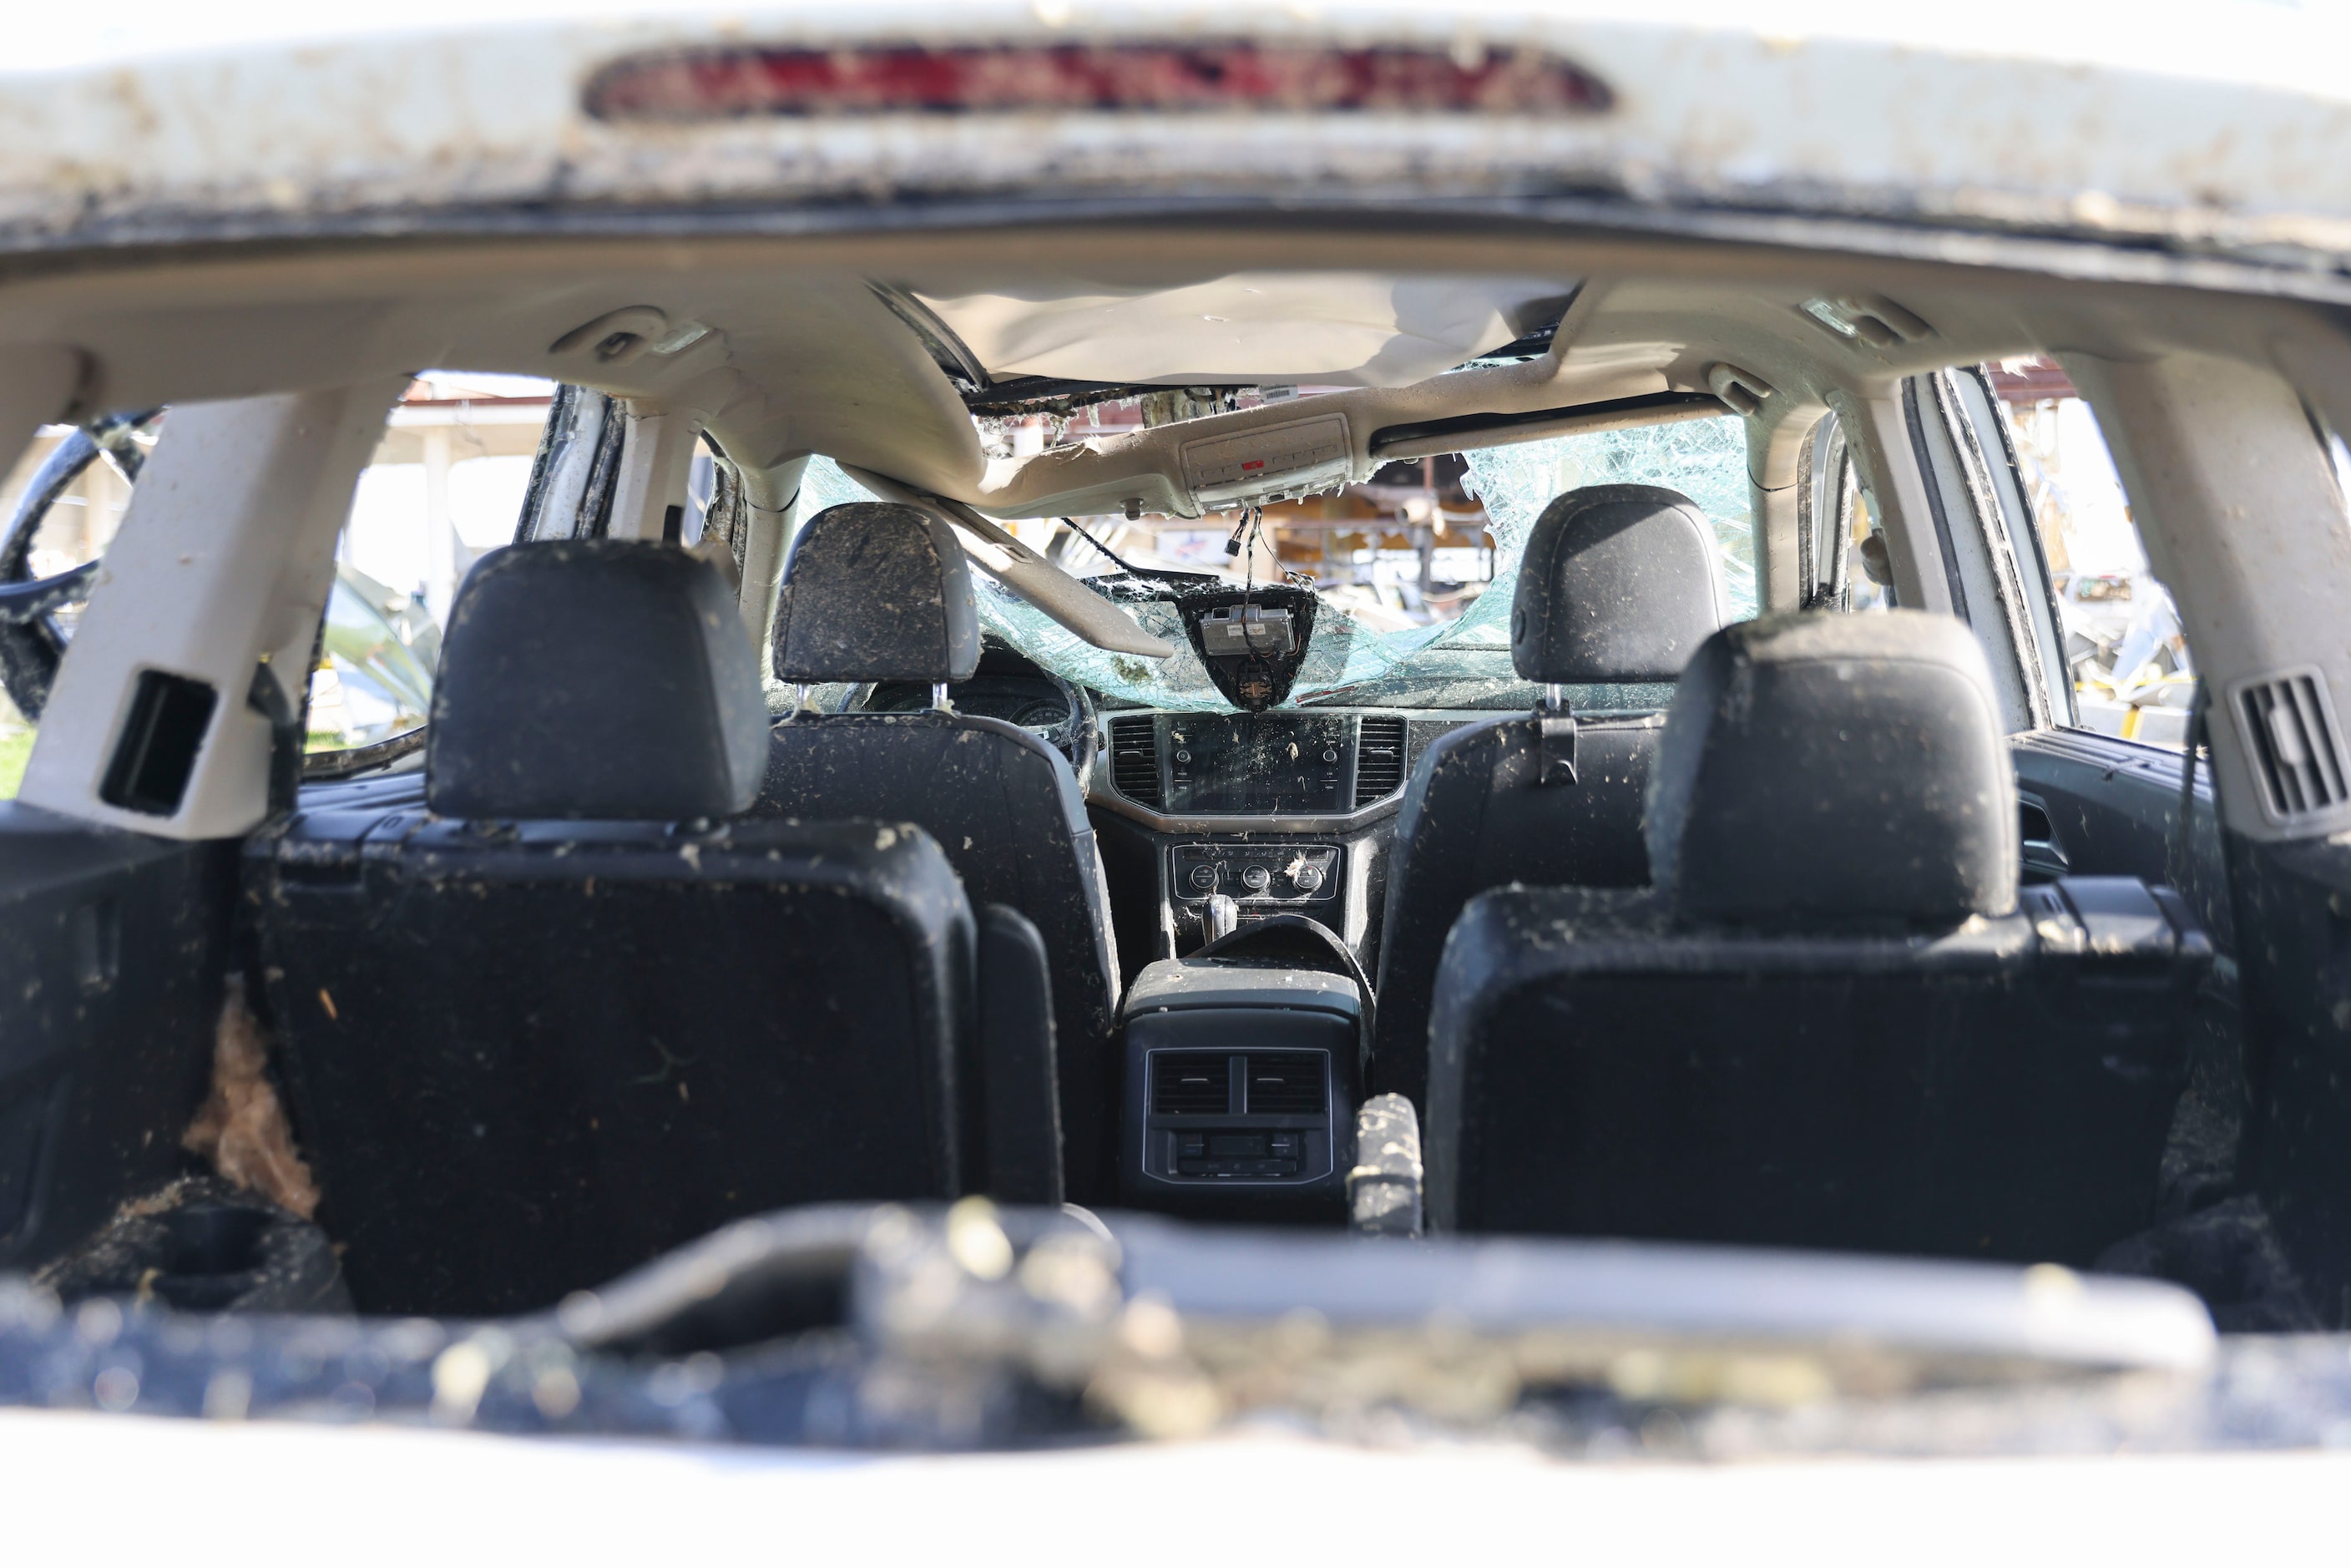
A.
x: 1233, y: 545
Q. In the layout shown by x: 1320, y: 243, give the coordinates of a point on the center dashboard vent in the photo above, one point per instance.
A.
x: 1379, y: 760
x: 1287, y: 1083
x: 1191, y: 1083
x: 1134, y: 758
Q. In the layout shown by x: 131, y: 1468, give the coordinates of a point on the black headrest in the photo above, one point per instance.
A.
x: 1835, y: 768
x: 876, y: 591
x: 1619, y: 583
x: 595, y: 678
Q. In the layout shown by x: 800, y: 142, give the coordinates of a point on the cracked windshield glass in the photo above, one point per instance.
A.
x: 1413, y: 570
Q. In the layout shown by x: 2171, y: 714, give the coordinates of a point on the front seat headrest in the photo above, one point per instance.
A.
x: 1831, y: 768
x: 1619, y: 583
x: 595, y: 678
x: 876, y: 591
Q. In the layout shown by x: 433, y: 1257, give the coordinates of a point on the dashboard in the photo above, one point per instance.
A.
x: 1288, y: 812
x: 1257, y: 762
x: 1247, y: 770
x: 1285, y: 811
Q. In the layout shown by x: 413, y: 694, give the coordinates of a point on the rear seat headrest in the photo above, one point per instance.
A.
x: 1619, y: 583
x: 595, y: 678
x: 876, y: 591
x: 1830, y: 767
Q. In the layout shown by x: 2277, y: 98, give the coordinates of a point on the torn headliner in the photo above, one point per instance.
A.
x: 1252, y: 329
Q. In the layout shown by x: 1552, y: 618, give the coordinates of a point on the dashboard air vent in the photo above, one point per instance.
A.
x: 1135, y: 759
x: 1191, y: 1083
x: 1286, y: 1083
x: 2297, y: 746
x: 1379, y: 760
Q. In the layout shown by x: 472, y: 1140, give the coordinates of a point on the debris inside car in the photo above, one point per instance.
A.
x: 1448, y: 733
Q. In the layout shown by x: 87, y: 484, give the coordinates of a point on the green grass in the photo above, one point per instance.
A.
x: 16, y: 746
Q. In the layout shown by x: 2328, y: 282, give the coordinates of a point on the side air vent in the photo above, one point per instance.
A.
x: 1135, y: 759
x: 2297, y: 746
x: 1286, y: 1083
x: 1191, y: 1083
x: 1379, y: 760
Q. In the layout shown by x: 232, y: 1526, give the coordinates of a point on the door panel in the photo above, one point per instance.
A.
x: 2114, y: 810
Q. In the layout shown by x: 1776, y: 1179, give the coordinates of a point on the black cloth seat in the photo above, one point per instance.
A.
x: 881, y: 592
x: 568, y: 1016
x: 1833, y: 1022
x: 1619, y: 585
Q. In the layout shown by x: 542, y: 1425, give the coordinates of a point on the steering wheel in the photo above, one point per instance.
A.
x: 32, y: 637
x: 1074, y: 735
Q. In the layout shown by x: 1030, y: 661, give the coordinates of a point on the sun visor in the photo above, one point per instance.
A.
x: 1251, y: 329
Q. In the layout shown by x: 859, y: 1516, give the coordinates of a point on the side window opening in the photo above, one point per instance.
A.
x: 63, y: 502
x: 2125, y: 658
x: 1842, y: 561
x: 575, y: 473
x: 444, y: 488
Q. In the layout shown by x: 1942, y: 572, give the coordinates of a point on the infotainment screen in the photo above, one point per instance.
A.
x: 1259, y: 764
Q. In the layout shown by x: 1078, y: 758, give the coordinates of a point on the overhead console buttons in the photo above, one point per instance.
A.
x: 1291, y: 458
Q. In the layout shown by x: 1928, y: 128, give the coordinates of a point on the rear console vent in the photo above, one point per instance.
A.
x: 1191, y: 1083
x: 1379, y: 760
x: 2297, y: 746
x: 1288, y: 1083
x: 1135, y: 759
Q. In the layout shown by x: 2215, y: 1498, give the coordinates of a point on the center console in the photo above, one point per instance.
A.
x: 1243, y: 1052
x: 1242, y: 1081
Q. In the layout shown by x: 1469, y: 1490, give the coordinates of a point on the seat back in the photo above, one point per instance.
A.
x: 1833, y: 1022
x: 876, y: 592
x: 1619, y: 585
x: 567, y: 1016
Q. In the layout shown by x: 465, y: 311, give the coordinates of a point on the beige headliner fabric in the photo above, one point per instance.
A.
x: 1337, y: 329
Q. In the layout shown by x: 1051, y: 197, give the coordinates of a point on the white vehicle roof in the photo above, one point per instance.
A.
x: 2226, y: 128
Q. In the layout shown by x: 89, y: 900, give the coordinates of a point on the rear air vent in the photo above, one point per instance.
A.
x: 1191, y: 1083
x: 2289, y: 724
x: 1286, y: 1083
x: 1379, y: 760
x: 1135, y: 759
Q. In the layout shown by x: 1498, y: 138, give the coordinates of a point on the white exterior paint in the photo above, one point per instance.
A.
x: 2227, y: 125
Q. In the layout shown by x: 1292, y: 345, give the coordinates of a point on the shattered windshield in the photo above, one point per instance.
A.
x: 1413, y: 571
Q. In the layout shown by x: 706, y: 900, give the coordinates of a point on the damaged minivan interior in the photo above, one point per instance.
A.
x: 934, y: 842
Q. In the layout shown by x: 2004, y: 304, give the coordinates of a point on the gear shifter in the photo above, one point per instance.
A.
x: 1222, y: 917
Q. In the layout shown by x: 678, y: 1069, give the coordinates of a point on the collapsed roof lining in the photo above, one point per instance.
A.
x: 802, y: 356
x: 1336, y: 328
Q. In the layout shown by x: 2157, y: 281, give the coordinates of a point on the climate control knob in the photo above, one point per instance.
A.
x: 1204, y: 876
x: 1307, y: 878
x: 1256, y: 878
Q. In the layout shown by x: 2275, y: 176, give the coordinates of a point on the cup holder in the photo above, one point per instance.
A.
x: 210, y: 1251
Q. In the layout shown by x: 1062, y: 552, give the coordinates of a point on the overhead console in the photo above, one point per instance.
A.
x: 1270, y: 463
